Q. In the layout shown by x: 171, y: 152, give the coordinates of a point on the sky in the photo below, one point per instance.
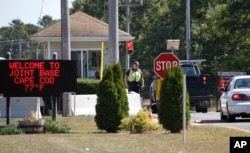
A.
x: 29, y: 11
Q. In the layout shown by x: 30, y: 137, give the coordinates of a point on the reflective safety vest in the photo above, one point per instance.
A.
x: 134, y: 76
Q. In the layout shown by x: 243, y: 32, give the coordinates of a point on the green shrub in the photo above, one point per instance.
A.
x: 170, y: 113
x: 87, y: 86
x: 111, y: 105
x: 10, y: 130
x: 55, y: 127
x: 140, y: 123
x: 121, y: 99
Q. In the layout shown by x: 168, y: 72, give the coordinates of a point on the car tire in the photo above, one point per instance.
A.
x: 222, y: 116
x: 230, y: 118
x: 198, y: 109
x: 204, y: 110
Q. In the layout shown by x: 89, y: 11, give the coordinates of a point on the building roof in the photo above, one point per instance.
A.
x: 82, y: 28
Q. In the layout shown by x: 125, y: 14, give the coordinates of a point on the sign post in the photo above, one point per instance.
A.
x: 184, y: 110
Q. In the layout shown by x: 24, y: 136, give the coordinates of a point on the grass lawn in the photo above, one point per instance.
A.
x: 85, y: 137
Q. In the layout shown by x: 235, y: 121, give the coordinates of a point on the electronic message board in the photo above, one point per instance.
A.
x: 37, y: 77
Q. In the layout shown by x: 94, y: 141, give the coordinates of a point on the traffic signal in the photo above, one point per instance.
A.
x: 129, y: 47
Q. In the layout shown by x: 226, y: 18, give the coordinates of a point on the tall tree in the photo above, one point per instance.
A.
x: 15, y: 38
x: 46, y: 21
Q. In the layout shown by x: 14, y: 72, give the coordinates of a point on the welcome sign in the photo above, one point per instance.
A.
x: 37, y: 77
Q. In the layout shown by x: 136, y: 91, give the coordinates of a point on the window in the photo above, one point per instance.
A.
x: 242, y: 83
x: 189, y: 70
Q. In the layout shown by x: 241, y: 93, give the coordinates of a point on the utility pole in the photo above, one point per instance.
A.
x: 128, y: 5
x: 65, y: 30
x: 65, y: 46
x: 113, y: 32
x: 188, y: 38
x: 128, y: 31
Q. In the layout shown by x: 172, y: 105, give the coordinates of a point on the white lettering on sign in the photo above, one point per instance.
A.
x: 163, y: 65
x: 240, y: 144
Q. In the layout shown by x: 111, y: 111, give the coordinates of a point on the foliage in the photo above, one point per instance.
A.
x: 171, y: 100
x: 109, y: 109
x: 15, y: 38
x: 122, y: 98
x: 55, y: 127
x: 95, y: 8
x: 87, y: 86
x: 140, y: 123
x: 10, y: 130
x: 46, y: 21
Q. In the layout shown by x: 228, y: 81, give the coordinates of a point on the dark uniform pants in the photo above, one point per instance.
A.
x: 134, y: 86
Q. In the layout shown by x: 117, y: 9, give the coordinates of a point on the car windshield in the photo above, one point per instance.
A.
x: 242, y: 83
x: 189, y: 70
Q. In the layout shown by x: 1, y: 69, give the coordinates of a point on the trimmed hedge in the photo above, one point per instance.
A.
x: 87, y: 86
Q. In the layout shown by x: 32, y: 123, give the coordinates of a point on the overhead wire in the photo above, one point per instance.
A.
x: 40, y: 15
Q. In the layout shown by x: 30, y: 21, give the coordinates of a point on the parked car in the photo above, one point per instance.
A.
x: 235, y: 99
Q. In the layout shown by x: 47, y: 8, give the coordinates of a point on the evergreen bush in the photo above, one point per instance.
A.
x: 171, y: 109
x: 122, y: 98
x: 111, y: 105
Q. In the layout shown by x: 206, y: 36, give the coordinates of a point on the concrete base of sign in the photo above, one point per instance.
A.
x: 85, y: 104
x: 21, y: 106
x: 67, y: 103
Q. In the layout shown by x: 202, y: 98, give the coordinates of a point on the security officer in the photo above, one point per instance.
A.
x: 133, y: 78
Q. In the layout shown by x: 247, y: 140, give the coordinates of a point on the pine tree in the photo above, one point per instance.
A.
x: 112, y: 103
x: 170, y: 113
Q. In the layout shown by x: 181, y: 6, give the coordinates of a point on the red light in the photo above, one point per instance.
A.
x: 130, y: 44
x: 236, y: 97
x: 204, y: 78
x: 240, y: 97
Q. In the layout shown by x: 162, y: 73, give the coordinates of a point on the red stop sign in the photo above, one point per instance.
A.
x: 164, y: 61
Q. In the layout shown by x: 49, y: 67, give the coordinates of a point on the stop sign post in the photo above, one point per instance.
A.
x: 163, y: 62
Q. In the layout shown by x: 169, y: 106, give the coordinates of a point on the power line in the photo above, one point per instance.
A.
x: 41, y: 9
x: 7, y: 42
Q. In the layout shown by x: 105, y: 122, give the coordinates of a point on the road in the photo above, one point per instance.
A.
x: 213, y: 118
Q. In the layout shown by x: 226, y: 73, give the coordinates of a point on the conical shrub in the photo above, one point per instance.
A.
x: 112, y: 103
x: 171, y: 101
x: 122, y: 98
